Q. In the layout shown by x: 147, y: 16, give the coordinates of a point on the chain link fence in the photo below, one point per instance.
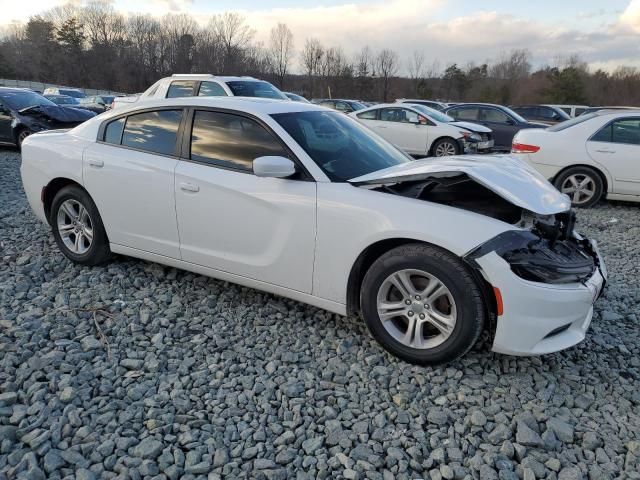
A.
x: 40, y: 87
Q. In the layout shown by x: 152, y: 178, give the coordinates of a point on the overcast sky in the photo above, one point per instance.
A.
x: 604, y: 33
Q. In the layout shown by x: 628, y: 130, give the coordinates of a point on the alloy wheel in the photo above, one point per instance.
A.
x: 580, y: 187
x: 22, y: 135
x: 75, y: 226
x: 416, y: 308
x: 445, y: 149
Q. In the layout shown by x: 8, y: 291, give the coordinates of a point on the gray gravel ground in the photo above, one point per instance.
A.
x: 181, y: 376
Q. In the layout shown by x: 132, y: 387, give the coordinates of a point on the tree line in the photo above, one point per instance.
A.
x: 94, y: 46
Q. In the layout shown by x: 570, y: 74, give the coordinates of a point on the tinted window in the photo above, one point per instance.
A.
x: 113, y: 132
x: 493, y: 115
x: 339, y: 145
x: 253, y: 88
x: 153, y: 131
x: 181, y: 88
x: 621, y: 131
x: 211, y: 89
x: 369, y: 115
x: 464, y: 113
x: 231, y: 140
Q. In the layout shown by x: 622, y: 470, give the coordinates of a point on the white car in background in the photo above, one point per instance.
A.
x: 571, y: 110
x: 203, y: 85
x: 594, y: 156
x: 305, y: 202
x: 422, y: 131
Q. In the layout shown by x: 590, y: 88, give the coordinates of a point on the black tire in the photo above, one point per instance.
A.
x: 446, y: 144
x: 21, y: 135
x: 563, y: 180
x: 98, y: 251
x: 451, y: 272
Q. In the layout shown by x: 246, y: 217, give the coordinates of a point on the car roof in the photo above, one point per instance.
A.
x: 256, y: 106
x: 477, y: 104
x: 209, y: 76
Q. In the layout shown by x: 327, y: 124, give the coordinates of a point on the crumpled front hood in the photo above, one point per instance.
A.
x: 509, y: 177
x: 474, y: 127
x: 59, y: 113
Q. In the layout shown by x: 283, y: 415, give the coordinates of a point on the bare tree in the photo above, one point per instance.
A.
x: 312, y: 54
x: 234, y: 34
x: 281, y: 51
x: 415, y: 66
x: 387, y: 64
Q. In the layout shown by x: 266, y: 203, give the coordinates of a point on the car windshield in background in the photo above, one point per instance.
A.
x: 433, y: 113
x: 25, y: 99
x: 340, y: 146
x: 255, y: 89
x: 72, y: 93
x: 558, y: 127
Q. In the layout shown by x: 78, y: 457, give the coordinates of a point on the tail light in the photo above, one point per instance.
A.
x: 524, y: 148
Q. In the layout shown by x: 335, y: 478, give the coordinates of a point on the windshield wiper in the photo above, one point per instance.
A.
x: 26, y: 109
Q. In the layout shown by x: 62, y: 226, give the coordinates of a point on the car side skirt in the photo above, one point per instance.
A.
x: 331, y: 306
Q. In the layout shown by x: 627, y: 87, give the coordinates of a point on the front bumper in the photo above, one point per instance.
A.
x: 540, y: 318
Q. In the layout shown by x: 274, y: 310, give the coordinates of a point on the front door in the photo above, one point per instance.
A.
x: 233, y: 221
x: 5, y: 125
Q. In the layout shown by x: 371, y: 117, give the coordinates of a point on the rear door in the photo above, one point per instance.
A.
x: 616, y: 146
x: 395, y: 126
x: 129, y: 173
x: 6, y: 134
x: 233, y: 221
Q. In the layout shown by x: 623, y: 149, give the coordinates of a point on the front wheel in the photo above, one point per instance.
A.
x: 422, y: 304
x: 77, y: 227
x: 22, y: 135
x: 446, y: 147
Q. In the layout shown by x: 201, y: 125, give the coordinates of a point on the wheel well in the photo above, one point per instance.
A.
x: 603, y: 177
x: 52, y: 188
x: 442, y: 138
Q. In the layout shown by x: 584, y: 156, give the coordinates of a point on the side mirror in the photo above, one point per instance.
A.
x: 273, y: 167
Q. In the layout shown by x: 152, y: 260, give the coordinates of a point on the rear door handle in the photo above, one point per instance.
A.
x: 94, y: 162
x: 606, y: 151
x: 189, y: 187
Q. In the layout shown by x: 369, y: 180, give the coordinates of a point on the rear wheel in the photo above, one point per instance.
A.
x: 77, y: 227
x: 583, y: 185
x: 422, y: 304
x: 445, y: 147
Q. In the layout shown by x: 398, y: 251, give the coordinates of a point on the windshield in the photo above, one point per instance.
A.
x: 17, y: 100
x: 433, y: 113
x: 558, y: 127
x: 255, y: 89
x: 340, y: 146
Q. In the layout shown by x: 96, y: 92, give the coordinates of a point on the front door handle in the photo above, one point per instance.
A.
x: 94, y: 162
x: 189, y: 187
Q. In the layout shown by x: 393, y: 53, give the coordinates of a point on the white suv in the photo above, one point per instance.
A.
x: 204, y: 85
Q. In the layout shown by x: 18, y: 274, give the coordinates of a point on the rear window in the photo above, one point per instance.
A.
x: 558, y: 127
x: 153, y: 131
x: 181, y: 88
x: 252, y: 88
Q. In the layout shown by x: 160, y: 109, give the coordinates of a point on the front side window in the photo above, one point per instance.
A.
x: 181, y: 88
x: 369, y: 115
x: 392, y: 114
x: 231, y: 141
x: 342, y: 147
x: 211, y: 89
x: 153, y: 131
x: 470, y: 113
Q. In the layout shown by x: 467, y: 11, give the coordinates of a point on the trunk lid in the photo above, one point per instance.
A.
x: 508, y: 177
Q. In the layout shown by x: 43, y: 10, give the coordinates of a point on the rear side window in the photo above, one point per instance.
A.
x: 231, y: 141
x: 181, y: 88
x: 211, y: 89
x: 625, y: 131
x: 493, y: 115
x: 464, y: 113
x: 153, y: 131
x: 113, y: 132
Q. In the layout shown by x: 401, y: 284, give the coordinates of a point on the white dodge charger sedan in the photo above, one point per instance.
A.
x: 423, y: 131
x: 593, y: 156
x: 307, y: 203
